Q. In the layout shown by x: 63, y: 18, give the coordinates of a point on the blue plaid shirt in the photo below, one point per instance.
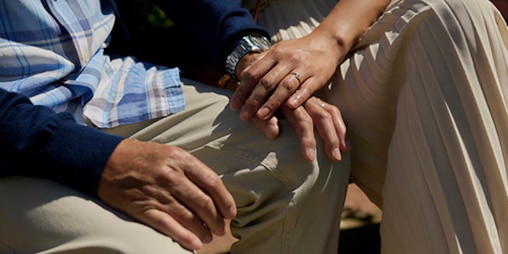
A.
x: 52, y: 52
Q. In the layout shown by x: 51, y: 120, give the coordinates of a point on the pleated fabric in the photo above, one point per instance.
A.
x: 290, y: 19
x: 425, y: 101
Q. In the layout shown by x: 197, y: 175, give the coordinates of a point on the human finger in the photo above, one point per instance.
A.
x: 306, y: 90
x: 286, y: 87
x: 304, y: 127
x: 265, y: 86
x: 207, y: 196
x: 167, y: 225
x: 250, y: 71
x: 169, y: 200
x: 148, y: 175
x: 270, y: 128
x: 329, y: 125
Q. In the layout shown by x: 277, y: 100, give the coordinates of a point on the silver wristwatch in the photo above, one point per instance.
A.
x: 252, y: 42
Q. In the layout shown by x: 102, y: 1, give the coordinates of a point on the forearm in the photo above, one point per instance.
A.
x: 346, y: 24
x: 38, y: 142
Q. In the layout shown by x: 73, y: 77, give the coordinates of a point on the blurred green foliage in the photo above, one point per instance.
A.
x: 146, y: 33
x: 151, y: 36
x: 149, y: 9
x: 158, y: 18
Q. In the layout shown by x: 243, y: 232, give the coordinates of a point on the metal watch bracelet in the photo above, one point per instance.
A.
x: 250, y: 43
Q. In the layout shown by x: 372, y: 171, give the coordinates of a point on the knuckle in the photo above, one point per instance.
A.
x: 204, y: 202
x: 290, y: 84
x: 294, y: 57
x: 266, y: 82
x: 247, y: 75
x: 160, y: 221
x: 274, y: 102
x: 307, y: 119
x: 323, y: 115
x: 187, y: 216
x: 254, y: 100
x: 277, y: 50
x: 213, y: 181
x: 170, y: 176
x: 174, y: 153
x: 281, y: 51
x: 336, y: 111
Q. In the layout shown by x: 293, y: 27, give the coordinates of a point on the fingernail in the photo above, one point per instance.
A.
x: 337, y: 154
x: 293, y: 102
x: 263, y: 112
x: 310, y: 154
x: 245, y: 115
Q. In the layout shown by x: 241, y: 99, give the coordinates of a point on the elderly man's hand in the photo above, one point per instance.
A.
x: 168, y: 189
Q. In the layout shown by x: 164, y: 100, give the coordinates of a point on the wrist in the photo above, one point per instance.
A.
x: 336, y: 46
x: 247, y: 44
x: 246, y: 61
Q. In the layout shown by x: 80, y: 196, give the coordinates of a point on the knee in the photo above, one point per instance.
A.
x: 49, y: 216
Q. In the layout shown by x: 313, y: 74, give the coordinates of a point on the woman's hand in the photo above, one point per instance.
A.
x: 313, y: 114
x: 290, y: 71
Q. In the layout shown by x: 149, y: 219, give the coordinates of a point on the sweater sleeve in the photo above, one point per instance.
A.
x: 216, y: 25
x: 37, y: 142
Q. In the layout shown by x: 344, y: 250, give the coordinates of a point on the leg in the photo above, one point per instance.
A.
x: 40, y: 216
x: 433, y: 81
x: 457, y: 123
x: 285, y: 204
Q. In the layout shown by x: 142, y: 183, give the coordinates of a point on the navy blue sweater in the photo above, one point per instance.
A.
x: 37, y: 142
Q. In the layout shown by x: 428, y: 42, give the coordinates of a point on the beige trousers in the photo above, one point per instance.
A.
x: 285, y: 204
x: 425, y: 99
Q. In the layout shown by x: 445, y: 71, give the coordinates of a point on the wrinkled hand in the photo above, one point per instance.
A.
x: 168, y: 189
x: 315, y: 113
x: 267, y: 82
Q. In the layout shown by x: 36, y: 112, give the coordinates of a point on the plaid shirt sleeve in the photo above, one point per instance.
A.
x: 52, y: 52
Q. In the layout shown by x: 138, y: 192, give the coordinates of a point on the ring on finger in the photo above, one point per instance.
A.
x: 297, y: 76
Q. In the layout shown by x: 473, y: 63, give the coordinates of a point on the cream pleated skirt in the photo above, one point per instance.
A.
x: 425, y: 98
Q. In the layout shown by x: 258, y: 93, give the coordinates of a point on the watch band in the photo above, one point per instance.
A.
x: 250, y: 43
